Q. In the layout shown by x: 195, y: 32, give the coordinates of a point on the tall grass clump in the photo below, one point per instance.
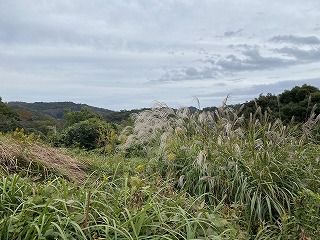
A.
x: 258, y: 166
x: 128, y: 208
x: 149, y: 125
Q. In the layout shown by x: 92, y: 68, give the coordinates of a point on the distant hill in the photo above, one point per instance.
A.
x: 297, y: 102
x: 56, y: 110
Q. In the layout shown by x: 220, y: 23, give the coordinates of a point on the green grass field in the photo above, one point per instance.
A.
x: 175, y: 175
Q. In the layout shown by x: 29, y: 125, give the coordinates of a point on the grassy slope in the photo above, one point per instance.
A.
x: 259, y: 181
x: 118, y: 201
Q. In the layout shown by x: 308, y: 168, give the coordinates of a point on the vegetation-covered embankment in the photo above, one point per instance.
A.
x: 173, y: 174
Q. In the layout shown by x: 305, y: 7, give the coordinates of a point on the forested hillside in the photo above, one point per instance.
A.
x: 296, y: 103
x: 40, y: 117
x: 56, y: 109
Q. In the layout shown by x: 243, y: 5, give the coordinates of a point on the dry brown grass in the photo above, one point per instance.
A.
x: 15, y: 156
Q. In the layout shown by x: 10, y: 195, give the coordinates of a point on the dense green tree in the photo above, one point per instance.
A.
x: 42, y: 126
x: 267, y: 103
x: 9, y: 119
x: 72, y: 117
x: 88, y: 134
x: 297, y: 94
x: 296, y: 104
x: 7, y: 111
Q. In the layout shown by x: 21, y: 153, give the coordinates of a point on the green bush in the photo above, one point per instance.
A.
x: 88, y: 134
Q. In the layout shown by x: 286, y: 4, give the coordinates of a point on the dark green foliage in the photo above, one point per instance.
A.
x: 86, y: 134
x: 267, y: 103
x: 296, y: 104
x: 9, y: 119
x: 42, y: 126
x: 86, y: 129
x: 7, y: 111
x: 295, y: 111
x: 72, y: 117
x: 8, y: 124
x: 297, y: 94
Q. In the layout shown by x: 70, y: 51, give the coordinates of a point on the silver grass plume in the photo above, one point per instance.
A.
x: 310, y: 125
x: 149, y: 124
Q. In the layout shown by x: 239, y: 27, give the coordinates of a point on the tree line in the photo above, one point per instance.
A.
x: 80, y: 125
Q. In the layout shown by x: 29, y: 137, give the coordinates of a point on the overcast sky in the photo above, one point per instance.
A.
x: 124, y: 54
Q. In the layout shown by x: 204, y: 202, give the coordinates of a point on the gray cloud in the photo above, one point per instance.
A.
x: 250, y: 60
x: 232, y: 33
x: 62, y: 49
x: 243, y: 46
x: 276, y: 88
x: 301, y: 55
x: 234, y: 80
x: 240, y: 95
x: 188, y: 73
x: 309, y: 40
x: 246, y: 58
x: 253, y: 61
x: 220, y: 84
